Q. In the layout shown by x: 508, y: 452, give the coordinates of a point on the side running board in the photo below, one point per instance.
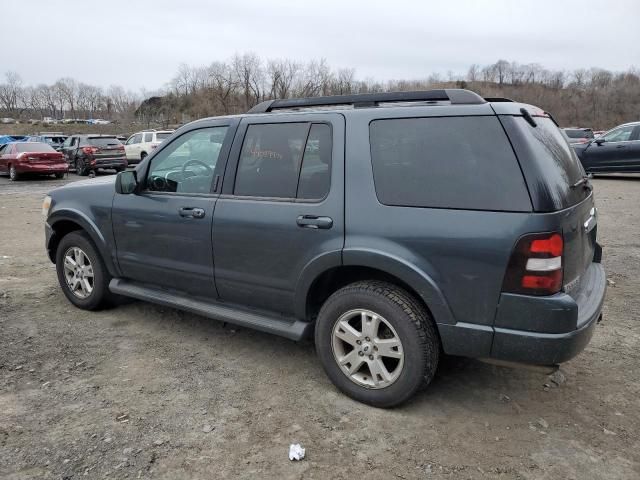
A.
x: 285, y: 327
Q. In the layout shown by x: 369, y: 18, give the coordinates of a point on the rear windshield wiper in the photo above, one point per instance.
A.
x: 584, y: 181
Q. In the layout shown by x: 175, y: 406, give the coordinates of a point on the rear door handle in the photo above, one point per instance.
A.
x: 314, y: 222
x: 620, y: 146
x: 191, y: 212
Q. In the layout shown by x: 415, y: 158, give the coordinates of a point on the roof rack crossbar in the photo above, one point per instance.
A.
x: 455, y: 96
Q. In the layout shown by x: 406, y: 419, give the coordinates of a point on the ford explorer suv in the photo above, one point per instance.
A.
x: 392, y: 228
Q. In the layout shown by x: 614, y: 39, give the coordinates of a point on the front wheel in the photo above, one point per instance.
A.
x: 377, y: 343
x: 81, y: 272
x: 13, y: 173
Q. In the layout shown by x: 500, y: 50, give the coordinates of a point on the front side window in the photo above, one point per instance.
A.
x: 137, y: 138
x: 188, y: 164
x: 621, y: 134
x: 449, y: 162
x: 130, y: 140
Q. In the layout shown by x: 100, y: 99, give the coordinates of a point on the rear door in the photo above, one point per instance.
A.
x: 163, y: 232
x: 282, y: 208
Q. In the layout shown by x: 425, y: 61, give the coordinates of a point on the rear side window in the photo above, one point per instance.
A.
x: 446, y: 162
x: 162, y: 135
x: 148, y: 137
x: 285, y: 160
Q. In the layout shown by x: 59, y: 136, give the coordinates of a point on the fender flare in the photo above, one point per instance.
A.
x: 422, y: 283
x: 80, y: 218
x: 411, y: 274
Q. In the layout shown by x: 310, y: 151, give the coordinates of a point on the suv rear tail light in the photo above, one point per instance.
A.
x: 535, y: 266
x: 90, y: 150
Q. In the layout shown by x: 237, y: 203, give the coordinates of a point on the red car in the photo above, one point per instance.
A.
x: 31, y: 157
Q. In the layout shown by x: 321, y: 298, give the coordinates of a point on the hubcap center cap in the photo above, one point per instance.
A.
x: 367, y: 348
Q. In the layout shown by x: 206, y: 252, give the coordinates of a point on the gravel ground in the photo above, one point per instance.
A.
x: 142, y: 391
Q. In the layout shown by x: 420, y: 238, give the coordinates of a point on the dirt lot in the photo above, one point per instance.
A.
x: 148, y: 392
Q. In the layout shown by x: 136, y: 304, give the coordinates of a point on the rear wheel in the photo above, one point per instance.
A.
x: 13, y: 174
x: 81, y: 272
x: 81, y: 169
x: 59, y: 175
x: 143, y: 156
x: 377, y: 343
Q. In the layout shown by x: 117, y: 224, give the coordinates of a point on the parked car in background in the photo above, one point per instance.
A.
x: 18, y: 158
x: 54, y: 139
x: 87, y: 153
x: 140, y: 144
x: 578, y: 135
x: 616, y: 151
x: 12, y: 138
x: 597, y: 133
x: 389, y: 229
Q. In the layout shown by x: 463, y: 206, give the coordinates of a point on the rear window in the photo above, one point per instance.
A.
x: 103, y: 141
x: 550, y: 164
x: 446, y: 162
x: 162, y: 136
x: 33, y: 147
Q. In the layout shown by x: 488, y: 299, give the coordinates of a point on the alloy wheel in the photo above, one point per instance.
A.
x: 78, y: 272
x: 367, y: 349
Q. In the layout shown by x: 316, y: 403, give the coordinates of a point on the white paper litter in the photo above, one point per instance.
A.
x: 296, y: 452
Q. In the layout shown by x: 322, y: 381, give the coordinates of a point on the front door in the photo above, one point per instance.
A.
x: 163, y: 233
x: 282, y: 208
x: 613, y: 154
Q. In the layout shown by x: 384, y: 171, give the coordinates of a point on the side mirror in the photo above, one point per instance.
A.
x: 599, y: 140
x: 126, y: 182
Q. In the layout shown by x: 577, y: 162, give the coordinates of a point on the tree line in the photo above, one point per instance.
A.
x: 593, y: 97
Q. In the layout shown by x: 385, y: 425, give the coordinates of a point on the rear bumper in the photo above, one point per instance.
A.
x: 550, y: 348
x: 534, y: 330
x: 41, y: 167
x: 109, y: 163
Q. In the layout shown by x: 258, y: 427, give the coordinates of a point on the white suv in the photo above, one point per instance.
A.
x: 140, y: 144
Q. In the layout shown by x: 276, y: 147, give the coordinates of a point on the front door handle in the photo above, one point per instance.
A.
x: 191, y: 212
x: 620, y: 146
x: 314, y: 222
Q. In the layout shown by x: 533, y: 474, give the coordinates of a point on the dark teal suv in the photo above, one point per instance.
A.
x: 392, y: 227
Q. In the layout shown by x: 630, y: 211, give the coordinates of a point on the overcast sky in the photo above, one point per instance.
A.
x: 141, y: 43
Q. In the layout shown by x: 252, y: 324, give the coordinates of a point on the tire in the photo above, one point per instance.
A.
x: 13, y: 174
x: 404, y: 319
x: 99, y: 296
x: 81, y: 169
x: 120, y: 169
x: 143, y: 156
x: 59, y: 175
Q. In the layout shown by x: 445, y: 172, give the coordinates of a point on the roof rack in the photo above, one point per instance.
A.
x: 362, y: 100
